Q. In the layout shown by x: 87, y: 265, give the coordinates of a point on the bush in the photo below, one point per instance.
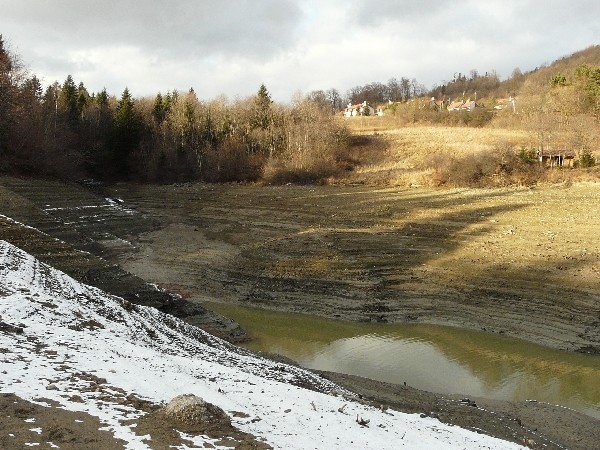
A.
x: 479, y: 117
x: 284, y: 172
x: 527, y: 156
x: 500, y: 167
x: 231, y: 161
x: 587, y: 159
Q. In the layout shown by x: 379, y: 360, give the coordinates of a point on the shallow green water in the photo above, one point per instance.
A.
x: 434, y: 358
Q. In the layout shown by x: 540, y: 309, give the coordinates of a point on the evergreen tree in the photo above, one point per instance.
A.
x: 33, y: 88
x: 13, y: 107
x: 83, y: 98
x: 102, y: 98
x: 262, y: 108
x: 588, y: 81
x: 6, y: 89
x: 5, y: 59
x: 159, y: 110
x: 67, y: 100
x: 97, y: 135
x: 127, y: 135
x: 263, y: 95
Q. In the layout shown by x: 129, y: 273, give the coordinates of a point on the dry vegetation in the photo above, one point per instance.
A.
x: 417, y: 142
x: 388, y: 153
x: 68, y: 132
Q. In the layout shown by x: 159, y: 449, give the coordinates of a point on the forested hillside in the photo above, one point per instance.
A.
x: 68, y: 132
x: 63, y: 130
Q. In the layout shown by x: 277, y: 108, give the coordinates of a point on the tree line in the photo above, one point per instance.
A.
x: 373, y: 93
x: 66, y: 131
x: 69, y: 132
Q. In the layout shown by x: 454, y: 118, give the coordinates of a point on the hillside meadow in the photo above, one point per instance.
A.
x: 387, y: 152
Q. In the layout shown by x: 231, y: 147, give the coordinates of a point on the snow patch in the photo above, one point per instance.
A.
x: 87, y: 350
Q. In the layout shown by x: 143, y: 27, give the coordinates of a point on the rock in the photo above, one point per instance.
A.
x: 193, y: 410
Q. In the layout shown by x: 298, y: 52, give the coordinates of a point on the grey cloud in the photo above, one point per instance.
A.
x: 488, y: 21
x: 373, y: 13
x: 231, y: 46
x: 184, y: 28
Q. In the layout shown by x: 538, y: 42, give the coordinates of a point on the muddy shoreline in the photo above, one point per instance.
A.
x: 519, y: 262
x: 532, y: 424
x: 474, y: 260
x: 344, y: 253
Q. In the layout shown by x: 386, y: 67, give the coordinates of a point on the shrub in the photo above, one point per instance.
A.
x: 231, y: 161
x: 500, y: 167
x: 527, y: 156
x: 278, y: 171
x: 587, y: 159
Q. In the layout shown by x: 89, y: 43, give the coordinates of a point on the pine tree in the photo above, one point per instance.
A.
x: 262, y: 108
x: 12, y: 103
x: 263, y: 94
x: 5, y: 66
x: 159, y: 111
x: 67, y: 100
x: 127, y: 135
x: 82, y: 99
x: 102, y: 98
x: 5, y: 88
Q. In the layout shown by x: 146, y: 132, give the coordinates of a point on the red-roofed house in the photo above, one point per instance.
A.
x: 460, y: 105
x: 360, y: 109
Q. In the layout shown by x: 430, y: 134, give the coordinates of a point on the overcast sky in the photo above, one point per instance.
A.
x: 231, y: 47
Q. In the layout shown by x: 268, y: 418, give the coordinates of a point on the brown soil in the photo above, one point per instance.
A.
x: 24, y: 424
x: 522, y: 262
x: 533, y: 424
x: 80, y: 231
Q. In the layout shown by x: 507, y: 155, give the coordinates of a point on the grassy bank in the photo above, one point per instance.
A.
x: 386, y: 153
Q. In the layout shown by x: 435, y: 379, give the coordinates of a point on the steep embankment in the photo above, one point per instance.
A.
x: 68, y: 346
x: 80, y: 232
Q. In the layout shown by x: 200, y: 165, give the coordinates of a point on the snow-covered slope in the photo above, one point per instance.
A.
x: 57, y: 336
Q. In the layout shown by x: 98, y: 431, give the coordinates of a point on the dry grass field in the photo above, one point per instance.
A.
x: 391, y: 154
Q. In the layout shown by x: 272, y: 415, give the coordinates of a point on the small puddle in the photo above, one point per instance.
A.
x: 433, y: 358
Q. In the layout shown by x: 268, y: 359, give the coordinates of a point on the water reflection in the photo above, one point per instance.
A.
x: 434, y: 358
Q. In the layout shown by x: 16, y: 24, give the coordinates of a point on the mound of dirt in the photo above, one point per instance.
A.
x: 189, y: 414
x: 192, y: 410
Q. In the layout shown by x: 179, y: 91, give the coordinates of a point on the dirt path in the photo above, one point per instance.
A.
x: 521, y: 262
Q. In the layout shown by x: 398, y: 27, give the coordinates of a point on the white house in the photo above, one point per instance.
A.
x: 505, y: 103
x: 360, y: 109
x: 460, y: 105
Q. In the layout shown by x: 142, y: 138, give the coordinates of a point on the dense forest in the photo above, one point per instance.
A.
x: 68, y: 132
